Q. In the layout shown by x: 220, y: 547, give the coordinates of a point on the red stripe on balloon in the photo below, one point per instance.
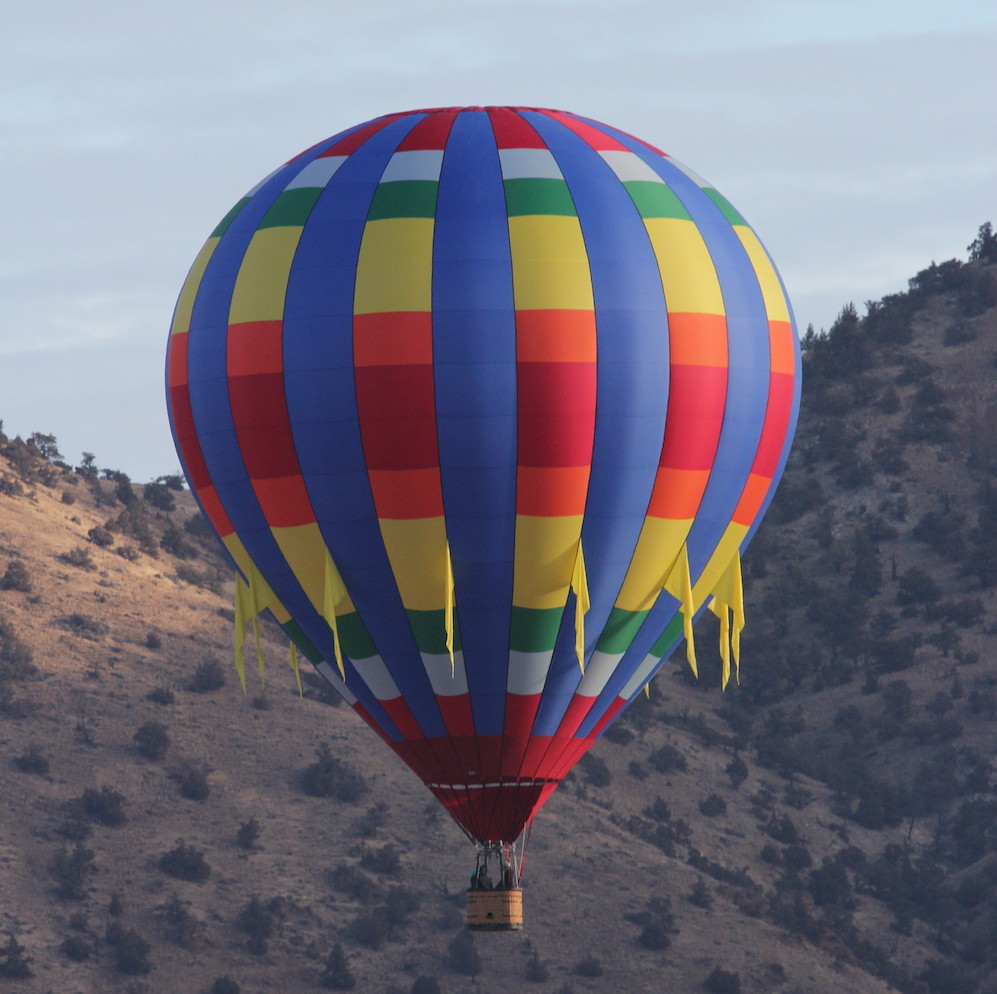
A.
x: 696, y: 396
x: 431, y: 133
x: 512, y: 131
x: 556, y: 411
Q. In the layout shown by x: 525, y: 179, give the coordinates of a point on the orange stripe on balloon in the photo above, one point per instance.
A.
x: 284, y: 501
x: 555, y: 336
x: 401, y: 338
x: 176, y: 369
x: 214, y: 510
x: 677, y: 493
x: 551, y: 491
x: 697, y: 339
x: 255, y: 347
x: 408, y: 493
x: 752, y: 498
x: 782, y: 344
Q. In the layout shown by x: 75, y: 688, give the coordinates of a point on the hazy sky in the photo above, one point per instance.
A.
x: 858, y: 137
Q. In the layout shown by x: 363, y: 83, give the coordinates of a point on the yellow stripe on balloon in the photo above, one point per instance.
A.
x: 304, y: 551
x: 660, y: 542
x: 260, y: 287
x: 688, y: 275
x: 394, y: 268
x: 550, y: 268
x: 418, y: 553
x: 185, y: 303
x: 776, y: 305
x: 549, y: 546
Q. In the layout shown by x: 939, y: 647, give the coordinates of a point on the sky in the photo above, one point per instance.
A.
x: 858, y: 138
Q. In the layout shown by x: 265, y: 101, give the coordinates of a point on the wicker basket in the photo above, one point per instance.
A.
x: 495, y: 910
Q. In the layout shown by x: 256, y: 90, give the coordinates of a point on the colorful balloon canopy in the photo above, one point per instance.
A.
x: 485, y: 403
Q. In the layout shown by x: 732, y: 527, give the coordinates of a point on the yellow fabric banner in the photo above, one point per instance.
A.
x: 243, y: 609
x: 295, y: 669
x: 728, y: 601
x: 678, y: 583
x: 579, y: 583
x: 335, y: 591
x: 449, y: 612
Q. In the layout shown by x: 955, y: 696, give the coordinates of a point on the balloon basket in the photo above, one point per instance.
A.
x: 495, y: 910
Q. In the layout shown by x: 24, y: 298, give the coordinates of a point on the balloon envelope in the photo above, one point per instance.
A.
x: 484, y: 403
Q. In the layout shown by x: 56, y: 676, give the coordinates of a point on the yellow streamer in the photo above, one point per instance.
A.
x: 728, y: 599
x: 678, y: 583
x: 579, y: 583
x: 294, y: 668
x: 335, y: 591
x: 449, y: 612
x: 243, y: 609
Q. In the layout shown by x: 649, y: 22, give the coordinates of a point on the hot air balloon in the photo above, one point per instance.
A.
x: 485, y: 404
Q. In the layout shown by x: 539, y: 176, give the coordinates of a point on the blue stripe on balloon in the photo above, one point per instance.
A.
x: 474, y: 367
x: 748, y: 381
x: 215, y: 427
x: 322, y: 405
x: 632, y: 394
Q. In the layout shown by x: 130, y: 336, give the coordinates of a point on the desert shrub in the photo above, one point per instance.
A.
x: 76, y: 826
x: 175, y: 542
x: 712, y: 805
x: 537, y: 970
x: 152, y: 740
x: 722, y: 981
x: 666, y: 759
x: 185, y: 863
x: 105, y: 805
x: 161, y: 695
x: 206, y: 579
x: 370, y: 928
x: 159, y: 496
x: 16, y: 577
x: 700, y: 894
x: 153, y: 641
x: 258, y: 922
x: 249, y: 832
x: 351, y: 880
x: 658, y: 810
x: 76, y: 948
x: 657, y: 923
x: 589, y: 966
x: 425, y: 985
x: 737, y: 770
x: 131, y: 953
x: 385, y: 860
x: 15, y: 655
x: 128, y: 552
x: 70, y: 868
x: 225, y: 985
x: 595, y: 770
x: 917, y: 587
x: 15, y: 964
x: 371, y: 820
x: 79, y: 557
x: 84, y: 625
x: 336, y: 974
x: 68, y: 497
x: 210, y: 675
x: 462, y: 957
x: 193, y: 783
x: 183, y: 928
x: 33, y: 760
x: 100, y: 536
x: 330, y: 777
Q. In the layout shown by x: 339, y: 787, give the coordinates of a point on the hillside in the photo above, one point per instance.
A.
x: 824, y: 827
